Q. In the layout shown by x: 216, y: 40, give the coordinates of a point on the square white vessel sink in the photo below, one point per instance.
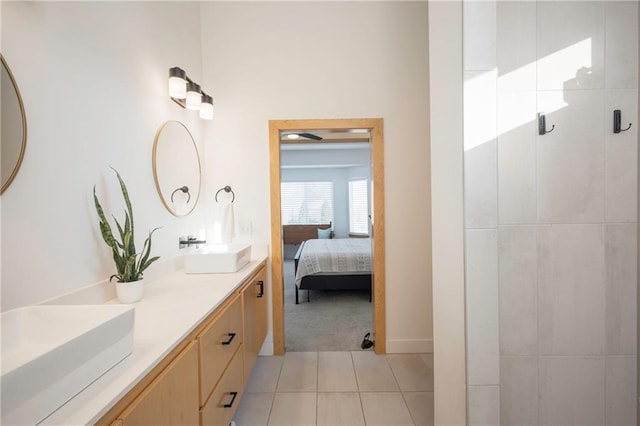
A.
x: 52, y: 352
x: 217, y: 258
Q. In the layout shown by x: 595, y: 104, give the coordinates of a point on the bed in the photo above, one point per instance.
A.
x: 333, y: 264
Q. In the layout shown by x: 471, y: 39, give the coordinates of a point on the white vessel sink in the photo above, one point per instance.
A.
x: 217, y: 258
x: 52, y: 352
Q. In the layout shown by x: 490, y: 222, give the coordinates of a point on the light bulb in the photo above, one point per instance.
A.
x: 177, y: 83
x: 194, y: 97
x: 206, y: 108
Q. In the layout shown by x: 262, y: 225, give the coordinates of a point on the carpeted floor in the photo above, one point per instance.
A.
x: 332, y: 321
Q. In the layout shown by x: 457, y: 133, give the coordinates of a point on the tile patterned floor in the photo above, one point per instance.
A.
x: 339, y: 389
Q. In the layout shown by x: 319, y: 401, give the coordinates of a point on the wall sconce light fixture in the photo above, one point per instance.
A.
x: 188, y: 94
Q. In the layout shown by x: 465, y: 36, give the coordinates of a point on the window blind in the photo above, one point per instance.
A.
x: 358, y: 208
x: 305, y: 203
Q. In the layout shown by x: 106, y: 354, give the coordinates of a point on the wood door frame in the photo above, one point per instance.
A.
x: 375, y: 126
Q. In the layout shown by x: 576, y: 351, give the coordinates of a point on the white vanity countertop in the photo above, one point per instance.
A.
x: 170, y: 309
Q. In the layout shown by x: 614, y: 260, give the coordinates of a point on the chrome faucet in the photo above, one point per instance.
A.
x: 189, y: 241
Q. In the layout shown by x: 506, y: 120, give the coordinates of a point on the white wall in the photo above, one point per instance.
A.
x: 294, y: 60
x: 93, y: 77
x: 446, y: 116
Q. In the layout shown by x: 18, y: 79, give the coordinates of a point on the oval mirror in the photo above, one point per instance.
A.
x: 14, y: 128
x: 176, y: 168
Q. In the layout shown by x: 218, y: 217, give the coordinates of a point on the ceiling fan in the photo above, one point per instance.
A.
x: 303, y: 135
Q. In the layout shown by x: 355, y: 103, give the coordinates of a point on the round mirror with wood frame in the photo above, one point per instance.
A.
x: 176, y: 168
x: 14, y: 127
x: 374, y: 126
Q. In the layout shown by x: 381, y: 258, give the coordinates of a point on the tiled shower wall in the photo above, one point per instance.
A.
x: 551, y: 221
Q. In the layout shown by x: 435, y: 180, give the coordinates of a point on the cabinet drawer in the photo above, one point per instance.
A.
x: 171, y: 399
x: 217, y: 344
x: 225, y: 398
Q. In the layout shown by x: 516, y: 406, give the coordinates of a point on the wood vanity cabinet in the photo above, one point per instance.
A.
x: 202, y: 380
x: 255, y: 319
x: 172, y: 397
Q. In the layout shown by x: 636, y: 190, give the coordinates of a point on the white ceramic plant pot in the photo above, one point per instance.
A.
x: 130, y: 292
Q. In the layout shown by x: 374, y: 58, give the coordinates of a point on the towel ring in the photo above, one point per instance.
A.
x: 184, y: 189
x: 226, y: 189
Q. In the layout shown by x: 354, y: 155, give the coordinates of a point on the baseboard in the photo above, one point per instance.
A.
x: 410, y: 346
x: 267, y: 348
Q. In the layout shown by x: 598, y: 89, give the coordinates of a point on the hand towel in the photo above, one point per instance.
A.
x: 180, y: 208
x: 223, y: 223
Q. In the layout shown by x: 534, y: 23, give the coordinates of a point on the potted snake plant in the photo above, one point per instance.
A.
x: 130, y: 265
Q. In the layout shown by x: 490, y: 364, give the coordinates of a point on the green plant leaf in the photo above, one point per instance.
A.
x: 125, y: 195
x: 129, y: 264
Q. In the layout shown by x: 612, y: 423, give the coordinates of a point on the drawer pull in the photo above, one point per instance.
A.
x: 261, y: 285
x: 233, y: 398
x: 231, y: 337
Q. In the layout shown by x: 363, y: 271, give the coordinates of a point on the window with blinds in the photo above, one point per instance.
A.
x: 358, y: 211
x: 306, y: 203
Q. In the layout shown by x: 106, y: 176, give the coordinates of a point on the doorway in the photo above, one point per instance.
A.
x: 374, y: 126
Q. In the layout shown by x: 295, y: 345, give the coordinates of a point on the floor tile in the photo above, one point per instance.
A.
x: 293, y: 409
x: 411, y: 372
x: 336, y: 373
x: 299, y: 372
x: 264, y: 377
x: 420, y: 406
x: 254, y: 409
x: 339, y: 409
x: 373, y: 373
x: 385, y: 409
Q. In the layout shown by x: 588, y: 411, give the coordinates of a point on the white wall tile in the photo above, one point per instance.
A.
x: 621, y: 44
x: 517, y: 157
x: 518, y: 391
x: 570, y: 45
x: 482, y: 307
x: 484, y: 405
x: 571, y: 289
x: 622, y: 157
x: 621, y: 391
x: 571, y: 391
x: 621, y: 294
x: 516, y: 45
x: 480, y: 158
x: 517, y: 250
x: 479, y: 34
x: 480, y: 186
x: 570, y: 172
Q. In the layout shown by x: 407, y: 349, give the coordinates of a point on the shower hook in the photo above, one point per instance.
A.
x: 542, y: 125
x: 617, y: 120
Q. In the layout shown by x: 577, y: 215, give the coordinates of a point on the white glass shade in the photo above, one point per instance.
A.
x: 206, y: 108
x: 206, y: 111
x: 177, y: 88
x: 194, y: 99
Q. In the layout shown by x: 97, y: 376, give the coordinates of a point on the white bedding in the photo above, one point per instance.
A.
x: 334, y: 256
